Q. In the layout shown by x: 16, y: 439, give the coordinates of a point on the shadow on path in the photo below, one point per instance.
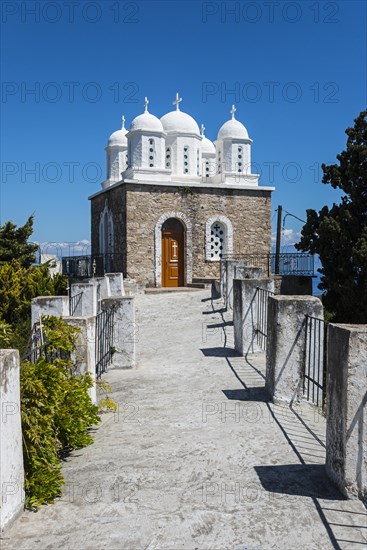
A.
x: 306, y: 480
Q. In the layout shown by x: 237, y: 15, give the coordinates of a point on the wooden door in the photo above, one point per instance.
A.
x: 172, y: 253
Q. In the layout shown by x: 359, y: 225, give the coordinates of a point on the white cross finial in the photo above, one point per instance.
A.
x: 123, y: 121
x: 233, y: 110
x: 146, y: 101
x: 177, y: 101
x: 202, y: 129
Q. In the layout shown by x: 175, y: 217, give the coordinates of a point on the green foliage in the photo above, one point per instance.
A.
x: 106, y: 404
x: 14, y: 243
x: 339, y: 234
x: 18, y: 285
x: 5, y: 334
x: 56, y: 414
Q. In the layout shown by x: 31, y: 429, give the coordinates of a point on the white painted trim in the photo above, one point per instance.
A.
x: 158, y: 246
x: 228, y: 235
x: 205, y: 185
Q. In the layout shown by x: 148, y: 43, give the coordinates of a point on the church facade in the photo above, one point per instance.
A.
x: 174, y: 203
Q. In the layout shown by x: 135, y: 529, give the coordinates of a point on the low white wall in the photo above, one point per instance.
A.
x: 58, y: 306
x: 245, y: 314
x: 125, y: 331
x: 88, y: 298
x: 85, y: 355
x: 115, y: 284
x: 11, y: 451
x: 346, y: 425
x: 285, y: 352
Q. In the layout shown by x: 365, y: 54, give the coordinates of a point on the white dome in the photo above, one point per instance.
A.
x: 146, y: 123
x: 118, y: 138
x: 208, y: 146
x: 232, y: 129
x: 177, y: 122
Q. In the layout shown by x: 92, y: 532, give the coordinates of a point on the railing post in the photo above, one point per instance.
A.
x: 125, y: 331
x: 11, y: 453
x: 346, y: 398
x: 87, y: 308
x: 285, y: 353
x: 84, y: 355
x: 245, y: 314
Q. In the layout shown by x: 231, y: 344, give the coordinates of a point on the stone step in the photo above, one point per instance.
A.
x: 165, y: 290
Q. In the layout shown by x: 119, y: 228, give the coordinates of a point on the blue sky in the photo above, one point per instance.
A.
x: 296, y: 71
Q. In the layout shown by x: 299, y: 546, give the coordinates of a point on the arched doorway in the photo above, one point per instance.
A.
x: 173, y: 253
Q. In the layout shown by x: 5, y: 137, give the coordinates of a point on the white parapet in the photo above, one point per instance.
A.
x: 84, y: 356
x: 11, y: 451
x: 58, y: 306
x: 245, y: 312
x: 286, y: 344
x: 125, y: 331
x: 346, y: 397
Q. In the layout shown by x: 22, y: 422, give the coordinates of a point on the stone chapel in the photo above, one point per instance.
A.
x: 174, y: 202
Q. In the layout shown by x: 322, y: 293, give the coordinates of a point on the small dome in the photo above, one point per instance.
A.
x: 177, y: 122
x: 232, y: 129
x: 118, y: 138
x: 146, y: 122
x: 208, y: 146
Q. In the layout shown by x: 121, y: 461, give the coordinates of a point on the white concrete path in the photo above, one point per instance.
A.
x: 196, y: 458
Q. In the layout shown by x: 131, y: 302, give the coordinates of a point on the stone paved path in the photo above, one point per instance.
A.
x: 196, y: 457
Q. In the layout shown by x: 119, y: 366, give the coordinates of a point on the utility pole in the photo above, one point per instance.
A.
x: 279, y: 231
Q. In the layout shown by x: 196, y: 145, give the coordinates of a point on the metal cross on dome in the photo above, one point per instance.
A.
x: 233, y: 110
x: 202, y: 129
x: 123, y: 121
x: 146, y: 101
x: 177, y: 101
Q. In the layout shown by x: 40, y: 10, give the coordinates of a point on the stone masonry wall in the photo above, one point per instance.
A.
x: 248, y: 211
x: 116, y: 202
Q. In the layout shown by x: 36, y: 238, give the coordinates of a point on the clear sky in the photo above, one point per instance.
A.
x: 295, y: 70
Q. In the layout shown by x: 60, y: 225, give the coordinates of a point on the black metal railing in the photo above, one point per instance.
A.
x: 289, y: 263
x: 91, y: 265
x: 46, y: 351
x: 76, y: 305
x: 38, y: 346
x: 315, y: 360
x: 104, y: 340
x: 261, y: 327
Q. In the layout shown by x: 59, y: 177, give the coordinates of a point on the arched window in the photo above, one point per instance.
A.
x: 218, y: 238
x: 168, y: 157
x: 129, y: 157
x: 106, y: 236
x: 217, y: 241
x: 186, y: 166
x: 239, y: 159
x: 151, y: 153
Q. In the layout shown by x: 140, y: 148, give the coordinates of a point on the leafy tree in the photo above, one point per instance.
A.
x: 14, y: 243
x: 18, y: 285
x: 339, y: 234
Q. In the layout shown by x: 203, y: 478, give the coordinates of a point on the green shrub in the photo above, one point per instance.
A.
x: 56, y: 413
x: 6, y: 334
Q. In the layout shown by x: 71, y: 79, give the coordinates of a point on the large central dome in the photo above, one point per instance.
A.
x: 146, y: 123
x: 177, y: 122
